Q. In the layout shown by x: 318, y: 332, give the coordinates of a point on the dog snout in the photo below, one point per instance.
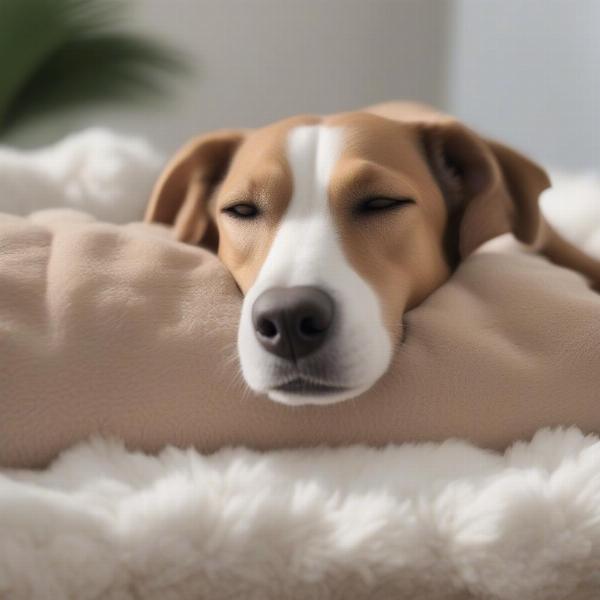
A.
x: 292, y: 322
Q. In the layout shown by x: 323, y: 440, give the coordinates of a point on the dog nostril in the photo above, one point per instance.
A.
x: 310, y: 326
x: 267, y: 328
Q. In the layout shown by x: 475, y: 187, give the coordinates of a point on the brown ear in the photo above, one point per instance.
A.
x: 181, y: 194
x: 490, y: 189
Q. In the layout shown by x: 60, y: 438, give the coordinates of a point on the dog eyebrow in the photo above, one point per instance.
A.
x: 271, y: 181
x: 359, y: 177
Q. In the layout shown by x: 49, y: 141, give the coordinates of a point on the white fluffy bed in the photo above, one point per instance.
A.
x: 445, y: 521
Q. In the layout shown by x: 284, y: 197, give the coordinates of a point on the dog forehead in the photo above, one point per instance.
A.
x: 265, y: 152
x: 364, y: 133
x: 377, y: 139
x: 270, y: 141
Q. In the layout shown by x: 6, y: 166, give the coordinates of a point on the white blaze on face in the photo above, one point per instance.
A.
x: 307, y: 250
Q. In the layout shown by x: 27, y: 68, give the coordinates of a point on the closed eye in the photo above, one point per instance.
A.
x: 380, y: 204
x: 242, y: 210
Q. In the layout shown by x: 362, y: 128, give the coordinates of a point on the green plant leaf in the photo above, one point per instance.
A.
x: 57, y: 54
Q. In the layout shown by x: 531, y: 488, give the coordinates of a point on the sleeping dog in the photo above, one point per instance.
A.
x: 333, y: 227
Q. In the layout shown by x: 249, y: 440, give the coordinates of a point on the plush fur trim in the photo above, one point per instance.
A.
x: 428, y: 521
x: 103, y: 173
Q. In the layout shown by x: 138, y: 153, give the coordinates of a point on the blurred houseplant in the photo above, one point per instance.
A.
x: 57, y: 55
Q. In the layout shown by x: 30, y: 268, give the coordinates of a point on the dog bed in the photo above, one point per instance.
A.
x: 426, y: 521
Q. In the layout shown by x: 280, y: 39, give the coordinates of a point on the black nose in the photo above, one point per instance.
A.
x: 292, y: 322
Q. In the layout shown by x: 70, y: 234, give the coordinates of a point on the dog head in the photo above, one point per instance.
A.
x: 334, y: 227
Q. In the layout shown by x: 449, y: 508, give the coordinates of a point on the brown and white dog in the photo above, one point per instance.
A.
x: 334, y: 227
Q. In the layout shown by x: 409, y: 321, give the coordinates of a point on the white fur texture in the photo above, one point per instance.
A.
x: 307, y: 251
x: 572, y: 205
x: 424, y: 522
x: 102, y: 173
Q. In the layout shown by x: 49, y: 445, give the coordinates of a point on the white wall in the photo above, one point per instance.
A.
x: 528, y: 72
x: 524, y: 71
x: 259, y: 60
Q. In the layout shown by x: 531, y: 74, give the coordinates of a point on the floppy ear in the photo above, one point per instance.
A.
x: 181, y: 194
x: 490, y: 189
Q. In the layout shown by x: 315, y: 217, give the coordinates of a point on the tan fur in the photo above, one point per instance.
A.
x: 466, y: 190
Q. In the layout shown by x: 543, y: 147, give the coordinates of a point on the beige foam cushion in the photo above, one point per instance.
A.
x: 120, y: 331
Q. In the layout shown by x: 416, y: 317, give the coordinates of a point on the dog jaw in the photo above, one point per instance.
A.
x: 306, y: 250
